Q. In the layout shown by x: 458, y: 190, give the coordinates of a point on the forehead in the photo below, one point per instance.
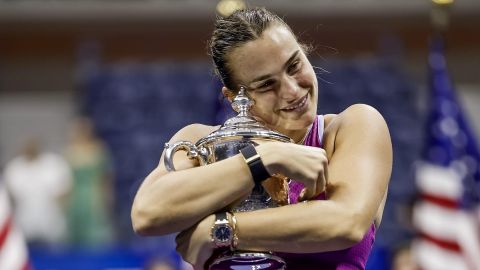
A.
x: 262, y: 56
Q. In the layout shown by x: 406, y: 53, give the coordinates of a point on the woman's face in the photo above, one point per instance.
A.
x: 279, y: 78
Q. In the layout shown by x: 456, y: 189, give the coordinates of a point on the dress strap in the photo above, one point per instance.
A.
x: 321, y: 128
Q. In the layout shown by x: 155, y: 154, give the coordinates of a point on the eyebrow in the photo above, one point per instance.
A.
x: 263, y: 77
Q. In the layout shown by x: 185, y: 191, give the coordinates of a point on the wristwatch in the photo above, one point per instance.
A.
x: 222, y: 231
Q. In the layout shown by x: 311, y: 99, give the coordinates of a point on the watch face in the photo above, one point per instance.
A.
x: 223, y: 233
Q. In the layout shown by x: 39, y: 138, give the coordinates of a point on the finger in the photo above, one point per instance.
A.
x: 301, y: 197
x: 325, y: 173
x: 308, y: 192
x: 321, y: 184
x: 322, y: 172
x: 322, y: 178
x: 311, y: 191
x: 325, y: 163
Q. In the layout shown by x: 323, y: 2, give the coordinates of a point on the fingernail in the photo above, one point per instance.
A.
x: 302, y: 194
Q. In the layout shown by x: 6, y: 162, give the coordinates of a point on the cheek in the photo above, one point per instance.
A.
x: 305, y: 78
x: 264, y: 106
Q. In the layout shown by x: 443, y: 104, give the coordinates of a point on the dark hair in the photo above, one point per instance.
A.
x: 235, y: 30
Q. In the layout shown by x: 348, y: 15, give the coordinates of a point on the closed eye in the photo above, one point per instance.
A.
x: 294, y: 67
x: 265, y: 86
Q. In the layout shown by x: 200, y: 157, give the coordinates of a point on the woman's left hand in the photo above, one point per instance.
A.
x: 195, y: 244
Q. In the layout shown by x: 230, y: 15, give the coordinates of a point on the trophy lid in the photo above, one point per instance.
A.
x: 243, y: 125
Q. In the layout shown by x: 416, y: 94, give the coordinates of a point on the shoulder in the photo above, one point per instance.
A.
x: 12, y: 166
x: 193, y: 132
x: 16, y: 161
x: 358, y: 122
x: 361, y: 113
x: 52, y: 159
x: 354, y: 115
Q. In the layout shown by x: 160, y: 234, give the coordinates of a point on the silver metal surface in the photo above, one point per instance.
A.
x: 235, y: 134
x: 248, y: 260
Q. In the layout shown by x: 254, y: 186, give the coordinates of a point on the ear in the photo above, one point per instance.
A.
x: 229, y: 94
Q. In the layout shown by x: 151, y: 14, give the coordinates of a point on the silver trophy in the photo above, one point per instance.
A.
x: 235, y: 134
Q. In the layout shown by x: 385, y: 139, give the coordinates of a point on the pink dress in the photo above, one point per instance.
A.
x: 354, y: 257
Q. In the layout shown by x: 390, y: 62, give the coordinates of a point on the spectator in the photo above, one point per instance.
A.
x: 38, y: 183
x: 89, y: 217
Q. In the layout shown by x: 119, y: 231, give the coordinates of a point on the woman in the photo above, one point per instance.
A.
x: 256, y: 49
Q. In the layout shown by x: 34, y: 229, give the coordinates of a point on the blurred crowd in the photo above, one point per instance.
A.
x: 63, y: 199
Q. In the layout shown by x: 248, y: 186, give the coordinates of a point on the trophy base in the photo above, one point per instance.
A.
x: 248, y: 261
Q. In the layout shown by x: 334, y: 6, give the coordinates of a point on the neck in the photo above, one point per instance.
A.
x: 298, y: 136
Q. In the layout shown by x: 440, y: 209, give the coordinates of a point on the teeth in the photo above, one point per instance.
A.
x: 299, y: 105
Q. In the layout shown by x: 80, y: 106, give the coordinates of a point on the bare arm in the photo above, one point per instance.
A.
x: 359, y: 172
x: 173, y: 201
x: 168, y: 202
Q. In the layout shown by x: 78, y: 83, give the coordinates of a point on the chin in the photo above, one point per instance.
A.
x: 308, y: 119
x: 311, y: 114
x: 301, y: 123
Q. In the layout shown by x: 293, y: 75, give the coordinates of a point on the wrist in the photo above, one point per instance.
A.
x: 222, y: 231
x: 233, y: 220
x: 255, y: 164
x: 208, y: 223
x: 270, y: 157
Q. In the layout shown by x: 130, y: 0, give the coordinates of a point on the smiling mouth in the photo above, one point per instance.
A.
x: 298, y: 104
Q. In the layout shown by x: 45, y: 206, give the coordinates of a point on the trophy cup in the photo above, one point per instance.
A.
x: 235, y: 134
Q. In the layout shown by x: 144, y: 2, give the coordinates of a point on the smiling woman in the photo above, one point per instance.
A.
x: 280, y: 78
x: 341, y: 164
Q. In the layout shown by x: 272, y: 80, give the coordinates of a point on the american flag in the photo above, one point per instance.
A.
x: 447, y: 215
x: 13, y: 251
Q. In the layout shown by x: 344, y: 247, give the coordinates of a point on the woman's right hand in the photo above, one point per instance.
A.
x: 305, y: 164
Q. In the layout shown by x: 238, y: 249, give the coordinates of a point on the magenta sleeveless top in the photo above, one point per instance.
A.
x: 354, y: 257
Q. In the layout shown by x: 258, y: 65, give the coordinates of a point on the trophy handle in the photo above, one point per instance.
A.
x: 193, y: 152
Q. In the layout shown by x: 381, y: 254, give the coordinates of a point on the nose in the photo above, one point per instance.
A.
x: 289, y: 90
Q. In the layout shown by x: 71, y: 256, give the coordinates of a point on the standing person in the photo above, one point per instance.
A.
x: 38, y: 183
x: 341, y: 163
x: 91, y: 198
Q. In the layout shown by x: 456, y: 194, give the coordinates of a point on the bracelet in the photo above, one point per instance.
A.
x: 234, y: 245
x: 255, y: 164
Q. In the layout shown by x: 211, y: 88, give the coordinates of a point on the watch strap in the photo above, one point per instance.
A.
x: 255, y: 164
x: 219, y: 216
